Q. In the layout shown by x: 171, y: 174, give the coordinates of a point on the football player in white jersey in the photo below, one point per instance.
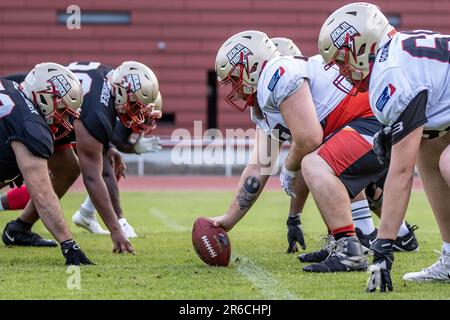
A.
x: 406, y: 74
x: 290, y: 99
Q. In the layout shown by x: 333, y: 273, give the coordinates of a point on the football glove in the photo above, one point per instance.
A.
x: 295, y: 234
x: 380, y: 270
x: 382, y: 145
x: 287, y: 179
x: 144, y: 145
x: 73, y: 254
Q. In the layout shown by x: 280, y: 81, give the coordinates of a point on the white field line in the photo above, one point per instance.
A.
x: 168, y: 222
x: 263, y: 280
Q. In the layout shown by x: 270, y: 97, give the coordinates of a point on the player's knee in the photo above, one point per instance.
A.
x: 309, y: 167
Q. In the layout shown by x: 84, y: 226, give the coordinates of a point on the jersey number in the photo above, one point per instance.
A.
x: 428, y: 45
x: 6, y: 103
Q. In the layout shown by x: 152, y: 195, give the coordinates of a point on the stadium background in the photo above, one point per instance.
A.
x: 178, y: 39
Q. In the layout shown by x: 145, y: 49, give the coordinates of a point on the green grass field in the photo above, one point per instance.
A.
x: 166, y: 266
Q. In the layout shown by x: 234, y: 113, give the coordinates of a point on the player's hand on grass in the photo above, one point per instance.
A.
x: 73, y: 254
x: 287, y: 179
x: 121, y: 243
x: 223, y: 221
x: 295, y: 234
x: 380, y: 270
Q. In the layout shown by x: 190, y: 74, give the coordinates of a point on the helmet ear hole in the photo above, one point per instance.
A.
x: 361, y: 50
x: 43, y: 101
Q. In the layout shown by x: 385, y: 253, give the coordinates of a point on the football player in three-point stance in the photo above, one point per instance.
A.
x: 32, y: 115
x: 127, y: 92
x: 364, y: 227
x: 128, y: 140
x: 289, y: 98
x: 406, y: 76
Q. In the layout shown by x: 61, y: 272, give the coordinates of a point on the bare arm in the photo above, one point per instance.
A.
x: 35, y: 173
x: 252, y: 182
x: 299, y: 113
x: 89, y: 152
x: 397, y: 189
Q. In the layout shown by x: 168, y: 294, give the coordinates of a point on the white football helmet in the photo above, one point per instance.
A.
x: 286, y: 46
x: 350, y: 38
x: 239, y: 62
x: 56, y: 92
x: 135, y: 89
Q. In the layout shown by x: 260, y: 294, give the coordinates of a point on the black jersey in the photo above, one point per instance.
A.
x: 121, y: 134
x: 98, y: 113
x: 20, y: 121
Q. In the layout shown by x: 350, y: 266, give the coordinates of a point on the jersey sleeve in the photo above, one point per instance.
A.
x: 37, y: 137
x: 279, y: 81
x: 98, y: 124
x: 390, y: 93
x: 411, y: 118
x: 121, y: 134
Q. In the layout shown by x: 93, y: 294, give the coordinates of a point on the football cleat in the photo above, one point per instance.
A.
x: 16, y: 235
x: 439, y: 271
x: 127, y: 229
x: 366, y: 240
x: 89, y: 223
x: 346, y: 256
x: 407, y: 243
x: 319, y: 255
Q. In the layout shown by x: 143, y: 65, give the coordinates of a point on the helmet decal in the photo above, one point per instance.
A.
x: 61, y: 84
x: 133, y: 81
x: 344, y: 34
x: 238, y: 54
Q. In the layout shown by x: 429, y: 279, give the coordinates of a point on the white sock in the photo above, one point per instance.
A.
x: 362, y: 218
x: 403, y: 231
x: 87, y: 209
x: 446, y: 247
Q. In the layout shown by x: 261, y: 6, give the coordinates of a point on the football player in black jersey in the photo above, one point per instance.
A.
x: 32, y: 115
x: 127, y: 92
x: 134, y: 140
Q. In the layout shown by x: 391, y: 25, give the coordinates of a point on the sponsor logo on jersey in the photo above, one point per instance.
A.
x: 133, y: 81
x: 340, y: 33
x: 385, y: 96
x: 276, y: 76
x: 234, y: 55
x: 61, y: 84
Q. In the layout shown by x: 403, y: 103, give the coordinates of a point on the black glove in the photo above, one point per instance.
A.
x: 380, y: 270
x: 382, y: 145
x: 295, y: 234
x: 73, y: 254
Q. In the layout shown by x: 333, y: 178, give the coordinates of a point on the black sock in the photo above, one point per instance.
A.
x: 25, y: 226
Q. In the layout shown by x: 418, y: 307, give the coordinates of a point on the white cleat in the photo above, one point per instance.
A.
x: 89, y: 223
x: 127, y: 229
x: 439, y: 271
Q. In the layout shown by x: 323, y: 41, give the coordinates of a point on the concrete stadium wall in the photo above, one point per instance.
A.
x: 178, y: 39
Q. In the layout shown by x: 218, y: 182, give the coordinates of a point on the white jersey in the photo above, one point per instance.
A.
x: 283, y: 76
x: 410, y: 63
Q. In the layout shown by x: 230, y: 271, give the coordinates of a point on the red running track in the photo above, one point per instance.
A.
x: 192, y: 183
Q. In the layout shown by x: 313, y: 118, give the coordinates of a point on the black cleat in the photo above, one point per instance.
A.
x: 407, y: 243
x: 346, y: 256
x: 366, y: 240
x: 319, y: 255
x: 15, y: 235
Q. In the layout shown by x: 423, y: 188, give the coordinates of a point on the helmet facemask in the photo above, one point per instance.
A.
x: 55, y: 110
x: 149, y: 123
x: 241, y: 94
x: 130, y: 110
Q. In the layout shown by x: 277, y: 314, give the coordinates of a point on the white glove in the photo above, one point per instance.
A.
x: 127, y: 229
x: 144, y: 145
x: 287, y: 179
